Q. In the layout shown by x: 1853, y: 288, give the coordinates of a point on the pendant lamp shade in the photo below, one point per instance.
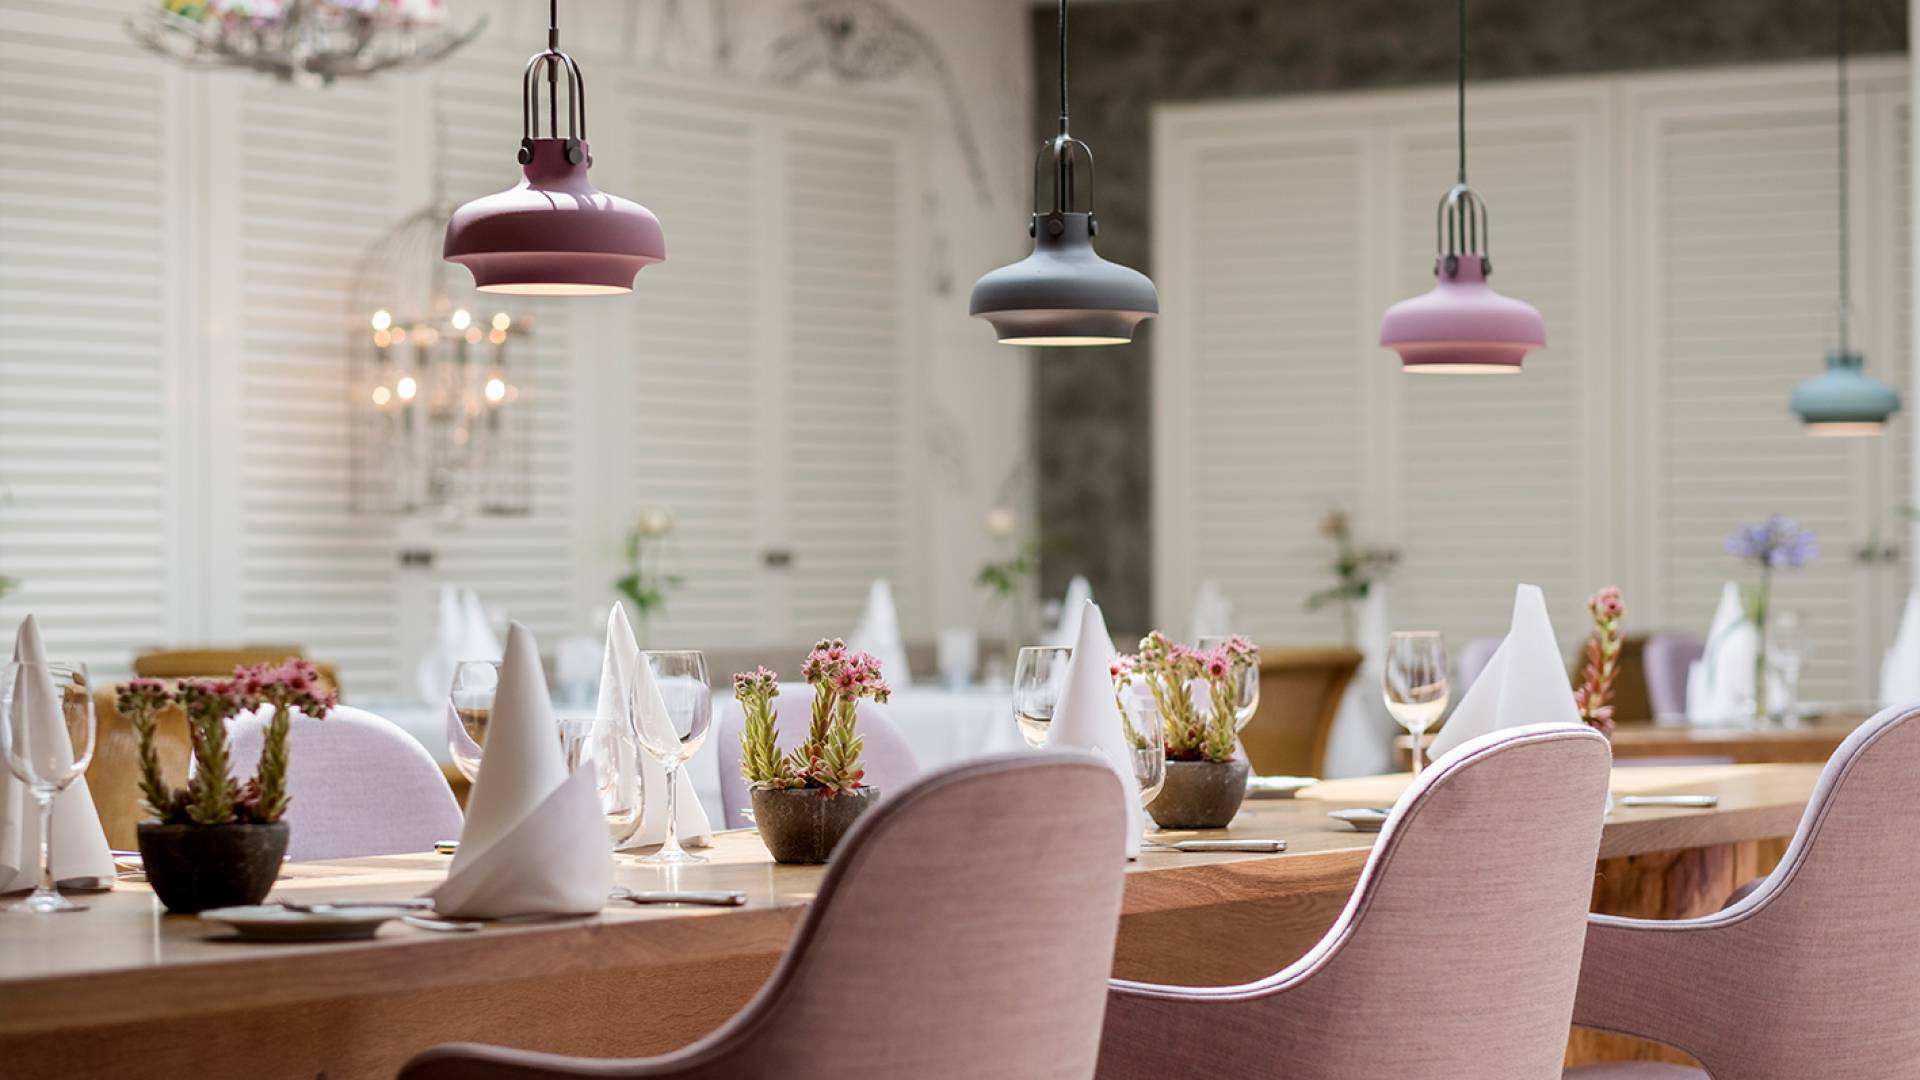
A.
x: 1845, y: 400
x: 1064, y: 293
x: 553, y: 234
x: 1461, y: 326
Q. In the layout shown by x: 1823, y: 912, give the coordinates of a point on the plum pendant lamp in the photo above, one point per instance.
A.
x: 552, y: 234
x: 1461, y: 326
x: 1844, y: 400
x: 1064, y: 293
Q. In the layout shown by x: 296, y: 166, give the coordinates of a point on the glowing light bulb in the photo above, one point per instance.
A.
x: 496, y: 389
x: 498, y: 337
x: 381, y: 396
x: 406, y: 388
x: 382, y: 319
x: 501, y: 321
x: 461, y: 319
x: 474, y: 335
x: 399, y: 335
x: 383, y: 338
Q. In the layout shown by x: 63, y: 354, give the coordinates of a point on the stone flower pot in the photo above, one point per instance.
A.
x: 1200, y: 794
x: 800, y: 825
x: 200, y: 867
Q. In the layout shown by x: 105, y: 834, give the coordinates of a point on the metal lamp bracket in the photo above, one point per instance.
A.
x: 1460, y: 229
x: 554, y: 62
x: 1061, y: 152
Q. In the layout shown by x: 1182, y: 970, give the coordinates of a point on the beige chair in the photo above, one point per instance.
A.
x: 219, y: 663
x: 1300, y: 691
x: 964, y: 930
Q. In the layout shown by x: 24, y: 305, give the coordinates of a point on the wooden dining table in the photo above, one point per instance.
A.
x: 124, y: 988
x: 1809, y: 741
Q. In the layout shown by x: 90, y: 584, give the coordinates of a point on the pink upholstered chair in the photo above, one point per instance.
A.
x: 1455, y: 959
x: 1473, y: 658
x: 1816, y: 971
x: 1666, y: 658
x: 964, y: 929
x: 889, y: 760
x: 357, y: 785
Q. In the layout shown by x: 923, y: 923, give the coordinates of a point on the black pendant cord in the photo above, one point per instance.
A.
x: 1461, y: 104
x: 1846, y: 282
x: 1063, y: 67
x: 553, y: 68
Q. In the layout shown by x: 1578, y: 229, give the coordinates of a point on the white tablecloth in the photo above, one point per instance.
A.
x: 941, y: 726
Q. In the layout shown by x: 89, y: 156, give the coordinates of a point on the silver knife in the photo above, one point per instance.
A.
x: 711, y: 898
x: 1263, y: 846
x: 1697, y: 802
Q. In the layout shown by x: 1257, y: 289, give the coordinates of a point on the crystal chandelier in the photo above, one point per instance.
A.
x: 310, y: 42
x: 441, y: 418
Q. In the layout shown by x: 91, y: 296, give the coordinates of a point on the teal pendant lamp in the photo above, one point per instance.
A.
x: 1845, y: 400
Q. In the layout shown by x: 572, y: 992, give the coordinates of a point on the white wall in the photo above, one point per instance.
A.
x: 1677, y: 231
x: 173, y: 267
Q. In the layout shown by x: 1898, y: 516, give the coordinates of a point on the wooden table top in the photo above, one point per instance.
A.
x: 127, y: 960
x: 1809, y: 741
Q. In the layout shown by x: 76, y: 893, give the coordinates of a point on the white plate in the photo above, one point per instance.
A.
x: 1362, y: 818
x: 271, y: 922
x: 1278, y: 787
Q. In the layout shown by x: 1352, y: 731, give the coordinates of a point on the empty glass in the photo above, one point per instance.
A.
x: 1147, y: 745
x: 1416, y: 683
x: 1246, y: 688
x: 1039, y: 675
x: 672, y: 728
x: 610, y: 748
x: 474, y: 684
x: 47, y: 741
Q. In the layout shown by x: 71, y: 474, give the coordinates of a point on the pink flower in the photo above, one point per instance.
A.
x: 1217, y: 665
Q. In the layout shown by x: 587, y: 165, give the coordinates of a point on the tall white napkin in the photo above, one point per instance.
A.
x: 1900, y: 668
x: 1088, y: 717
x: 1212, y: 614
x: 1720, y: 684
x: 1079, y: 595
x: 478, y: 640
x: 1525, y: 682
x: 625, y: 676
x: 535, y: 841
x: 878, y: 632
x: 461, y: 632
x: 79, y: 844
x: 1361, y: 742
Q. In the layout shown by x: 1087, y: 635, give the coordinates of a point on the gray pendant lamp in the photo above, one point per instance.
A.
x: 1845, y: 400
x: 1064, y: 293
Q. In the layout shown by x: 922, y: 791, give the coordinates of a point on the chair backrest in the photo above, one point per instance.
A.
x: 1300, y: 691
x: 1457, y: 955
x: 1668, y: 656
x: 965, y: 928
x: 889, y: 760
x: 1817, y: 970
x: 357, y: 785
x: 1470, y: 661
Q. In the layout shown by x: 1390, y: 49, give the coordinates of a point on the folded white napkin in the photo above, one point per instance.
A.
x: 460, y: 632
x: 878, y: 632
x: 1088, y: 717
x: 1079, y: 595
x: 626, y: 681
x: 1361, y: 741
x: 1720, y: 684
x: 535, y: 841
x: 1212, y: 614
x: 1900, y: 669
x: 79, y: 844
x: 1525, y: 683
x: 478, y: 639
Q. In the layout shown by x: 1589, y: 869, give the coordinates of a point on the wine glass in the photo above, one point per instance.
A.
x: 1038, y: 677
x: 610, y: 748
x: 474, y: 684
x: 1147, y: 745
x: 1246, y: 688
x: 671, y: 735
x: 1416, y: 683
x: 47, y: 741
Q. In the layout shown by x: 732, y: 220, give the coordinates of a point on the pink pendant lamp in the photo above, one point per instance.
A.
x: 553, y: 234
x: 1461, y: 326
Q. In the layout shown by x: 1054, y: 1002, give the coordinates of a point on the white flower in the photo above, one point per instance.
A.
x: 1000, y: 522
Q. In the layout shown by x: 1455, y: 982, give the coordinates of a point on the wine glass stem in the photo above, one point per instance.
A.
x: 44, y: 804
x: 672, y: 842
x: 1419, y: 741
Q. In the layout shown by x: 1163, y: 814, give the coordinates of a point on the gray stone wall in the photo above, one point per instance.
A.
x: 1092, y: 415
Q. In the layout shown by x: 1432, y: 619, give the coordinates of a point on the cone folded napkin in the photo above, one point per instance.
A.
x: 1088, y: 717
x: 878, y: 632
x: 624, y: 677
x: 1525, y: 682
x: 79, y: 844
x: 1900, y: 670
x: 1079, y: 593
x: 1720, y: 684
x: 535, y: 841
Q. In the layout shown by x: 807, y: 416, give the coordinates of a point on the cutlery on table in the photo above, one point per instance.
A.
x: 708, y: 897
x: 417, y: 903
x: 427, y: 920
x: 1263, y: 846
x: 447, y: 926
x: 1696, y: 802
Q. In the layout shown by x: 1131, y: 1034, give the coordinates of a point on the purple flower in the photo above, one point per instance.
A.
x: 1778, y: 543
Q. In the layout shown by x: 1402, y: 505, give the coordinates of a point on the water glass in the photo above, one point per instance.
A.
x: 671, y: 727
x: 610, y: 749
x: 47, y: 741
x: 1246, y: 688
x: 474, y: 684
x: 1039, y: 675
x: 1146, y: 745
x: 1416, y: 683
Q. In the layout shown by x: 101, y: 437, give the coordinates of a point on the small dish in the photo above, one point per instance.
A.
x: 1278, y: 787
x: 271, y: 922
x: 1362, y: 818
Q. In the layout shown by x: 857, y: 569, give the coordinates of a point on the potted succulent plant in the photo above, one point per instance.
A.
x: 1205, y: 783
x: 216, y: 842
x: 805, y: 801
